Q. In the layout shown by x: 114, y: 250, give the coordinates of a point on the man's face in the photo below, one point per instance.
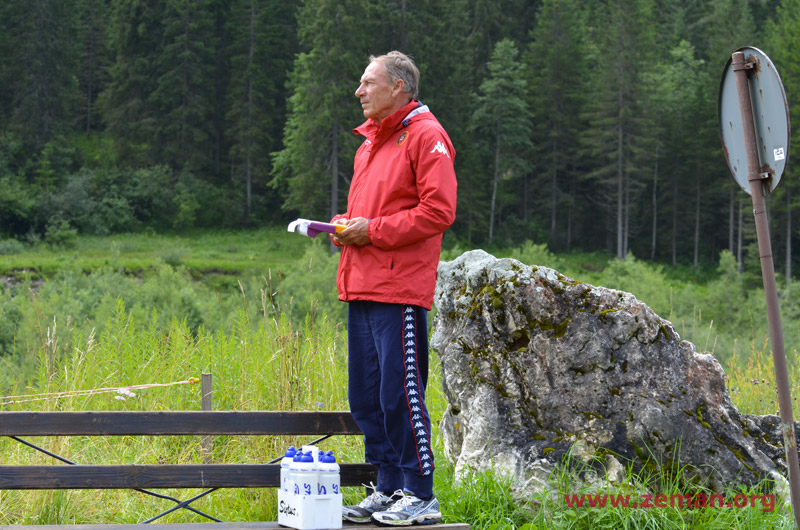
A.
x: 377, y: 94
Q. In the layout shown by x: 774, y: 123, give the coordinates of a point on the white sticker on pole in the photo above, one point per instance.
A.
x: 779, y: 154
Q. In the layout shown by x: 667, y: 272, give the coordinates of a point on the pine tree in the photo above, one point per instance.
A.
x: 221, y: 13
x: 439, y: 37
x: 676, y: 108
x: 502, y: 122
x: 263, y: 33
x: 93, y: 61
x: 317, y: 156
x: 184, y: 93
x: 783, y: 46
x: 44, y: 89
x: 495, y: 20
x: 9, y: 69
x: 725, y: 26
x: 136, y: 32
x: 624, y: 40
x: 556, y: 68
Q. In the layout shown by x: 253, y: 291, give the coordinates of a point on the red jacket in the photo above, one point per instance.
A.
x: 404, y: 183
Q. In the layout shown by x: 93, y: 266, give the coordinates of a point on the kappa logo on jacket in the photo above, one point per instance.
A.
x: 440, y: 148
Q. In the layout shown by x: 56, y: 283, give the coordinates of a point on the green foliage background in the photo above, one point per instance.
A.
x: 142, y: 116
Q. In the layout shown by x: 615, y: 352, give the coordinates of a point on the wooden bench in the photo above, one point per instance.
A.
x: 223, y: 526
x: 144, y: 477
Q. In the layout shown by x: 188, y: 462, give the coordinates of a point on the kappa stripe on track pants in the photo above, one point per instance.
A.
x: 388, y: 374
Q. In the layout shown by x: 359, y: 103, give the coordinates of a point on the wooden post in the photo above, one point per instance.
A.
x: 206, y: 395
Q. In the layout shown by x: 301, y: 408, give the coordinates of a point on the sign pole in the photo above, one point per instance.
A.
x: 757, y: 177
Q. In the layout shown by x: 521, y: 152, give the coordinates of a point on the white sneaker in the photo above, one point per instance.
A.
x: 409, y: 510
x: 377, y: 501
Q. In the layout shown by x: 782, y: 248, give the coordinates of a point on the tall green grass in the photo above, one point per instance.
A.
x: 273, y: 338
x: 273, y: 365
x: 223, y: 252
x: 269, y: 365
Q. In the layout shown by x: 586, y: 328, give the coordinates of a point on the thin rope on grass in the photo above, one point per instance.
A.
x: 122, y: 390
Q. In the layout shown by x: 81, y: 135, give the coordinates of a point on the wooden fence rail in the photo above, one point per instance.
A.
x: 31, y: 477
x: 176, y: 423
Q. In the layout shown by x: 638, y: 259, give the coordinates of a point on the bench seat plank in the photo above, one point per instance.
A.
x: 33, y: 477
x: 109, y: 423
x: 220, y: 526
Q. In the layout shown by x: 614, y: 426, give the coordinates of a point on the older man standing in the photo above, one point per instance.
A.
x: 402, y: 198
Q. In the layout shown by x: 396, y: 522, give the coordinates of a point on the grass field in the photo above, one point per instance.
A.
x: 134, y: 309
x: 205, y: 255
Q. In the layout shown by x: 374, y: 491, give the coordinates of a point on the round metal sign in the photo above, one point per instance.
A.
x: 771, y: 116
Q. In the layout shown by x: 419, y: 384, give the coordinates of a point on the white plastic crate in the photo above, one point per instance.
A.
x: 309, y: 512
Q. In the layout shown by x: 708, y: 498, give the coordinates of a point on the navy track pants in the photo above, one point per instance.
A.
x: 388, y: 374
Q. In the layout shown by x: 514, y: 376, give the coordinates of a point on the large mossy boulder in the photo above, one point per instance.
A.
x: 537, y: 366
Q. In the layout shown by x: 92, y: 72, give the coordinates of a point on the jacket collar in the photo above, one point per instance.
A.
x: 371, y: 131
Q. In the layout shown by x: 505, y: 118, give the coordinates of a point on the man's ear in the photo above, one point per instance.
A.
x: 398, y: 88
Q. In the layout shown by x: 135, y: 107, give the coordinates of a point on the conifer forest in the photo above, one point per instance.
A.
x: 587, y: 125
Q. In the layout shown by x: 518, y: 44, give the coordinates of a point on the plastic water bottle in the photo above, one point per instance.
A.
x: 295, y: 466
x: 328, y: 475
x: 286, y: 461
x: 313, y: 450
x: 307, y: 475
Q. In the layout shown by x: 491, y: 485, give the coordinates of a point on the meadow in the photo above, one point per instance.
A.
x: 258, y: 310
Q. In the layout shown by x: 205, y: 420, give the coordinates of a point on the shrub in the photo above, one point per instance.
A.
x: 10, y: 246
x: 645, y: 280
x: 17, y: 205
x: 309, y: 287
x: 59, y: 233
x: 532, y: 254
x: 186, y: 207
x: 150, y: 192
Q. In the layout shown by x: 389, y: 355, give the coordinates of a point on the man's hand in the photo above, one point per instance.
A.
x: 356, y: 233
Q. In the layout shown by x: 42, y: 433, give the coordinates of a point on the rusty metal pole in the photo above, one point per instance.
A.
x: 757, y: 179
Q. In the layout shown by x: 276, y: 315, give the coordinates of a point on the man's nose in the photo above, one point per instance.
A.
x: 359, y: 91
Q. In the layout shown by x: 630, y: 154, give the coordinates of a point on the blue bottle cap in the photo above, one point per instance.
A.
x: 291, y: 451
